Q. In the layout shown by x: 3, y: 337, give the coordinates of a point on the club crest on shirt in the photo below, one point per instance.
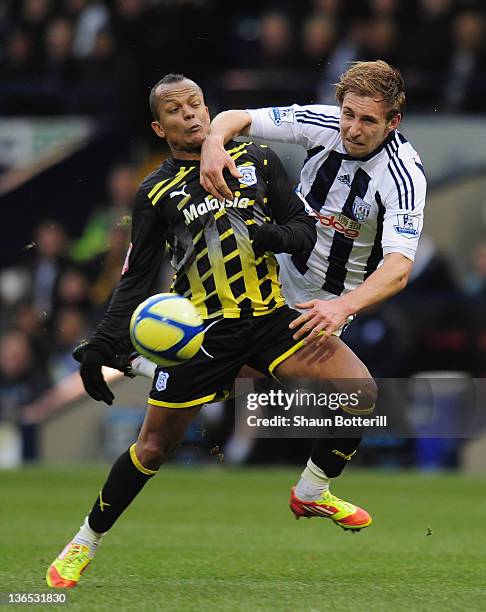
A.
x: 161, y: 383
x: 281, y: 115
x: 407, y: 226
x: 249, y: 175
x: 361, y: 209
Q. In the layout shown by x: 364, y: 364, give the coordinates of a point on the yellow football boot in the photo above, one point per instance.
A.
x: 343, y: 513
x: 66, y: 569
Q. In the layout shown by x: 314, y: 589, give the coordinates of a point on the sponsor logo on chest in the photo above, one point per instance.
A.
x: 340, y: 223
x: 197, y: 210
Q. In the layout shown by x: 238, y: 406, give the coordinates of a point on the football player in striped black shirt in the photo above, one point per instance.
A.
x: 364, y: 185
x: 223, y: 255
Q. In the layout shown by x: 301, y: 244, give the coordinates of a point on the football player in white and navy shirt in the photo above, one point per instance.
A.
x: 365, y: 185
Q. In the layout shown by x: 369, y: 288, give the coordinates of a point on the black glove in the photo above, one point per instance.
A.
x: 93, y: 381
x: 117, y: 362
x: 270, y: 237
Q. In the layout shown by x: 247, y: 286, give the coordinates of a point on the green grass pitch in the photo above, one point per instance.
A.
x: 224, y: 539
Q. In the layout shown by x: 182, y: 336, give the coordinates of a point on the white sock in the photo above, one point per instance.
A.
x: 313, y: 482
x: 88, y: 537
x: 141, y: 366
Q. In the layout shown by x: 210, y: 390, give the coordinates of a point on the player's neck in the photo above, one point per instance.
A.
x: 184, y: 154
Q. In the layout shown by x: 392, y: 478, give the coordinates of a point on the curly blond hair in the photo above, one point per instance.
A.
x: 376, y: 79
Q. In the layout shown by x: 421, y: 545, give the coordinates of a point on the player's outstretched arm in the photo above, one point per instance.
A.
x: 329, y: 315
x: 214, y: 158
x: 138, y: 281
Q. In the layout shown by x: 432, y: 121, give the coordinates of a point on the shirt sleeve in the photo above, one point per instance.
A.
x: 404, y: 208
x: 139, y: 278
x: 288, y: 209
x: 309, y: 126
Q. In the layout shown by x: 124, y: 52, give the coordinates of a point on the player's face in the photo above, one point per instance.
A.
x: 364, y: 125
x: 183, y: 118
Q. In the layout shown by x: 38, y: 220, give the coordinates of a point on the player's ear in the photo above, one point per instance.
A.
x: 157, y: 128
x: 395, y: 122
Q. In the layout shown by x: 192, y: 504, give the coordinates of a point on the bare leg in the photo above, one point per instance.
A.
x: 162, y: 431
x: 334, y: 362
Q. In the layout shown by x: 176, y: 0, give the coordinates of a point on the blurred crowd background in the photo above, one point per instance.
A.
x: 100, y: 57
x: 67, y: 224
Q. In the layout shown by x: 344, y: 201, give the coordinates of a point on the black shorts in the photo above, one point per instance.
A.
x: 260, y: 342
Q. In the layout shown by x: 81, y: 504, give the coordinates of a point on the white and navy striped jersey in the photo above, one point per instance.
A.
x: 365, y: 208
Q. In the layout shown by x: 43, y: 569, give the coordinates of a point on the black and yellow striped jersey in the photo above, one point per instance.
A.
x: 210, y: 242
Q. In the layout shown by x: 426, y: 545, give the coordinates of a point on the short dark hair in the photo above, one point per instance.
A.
x: 172, y: 77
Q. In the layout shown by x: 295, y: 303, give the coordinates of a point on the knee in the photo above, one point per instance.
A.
x: 152, y: 453
x: 366, y: 397
x: 370, y: 394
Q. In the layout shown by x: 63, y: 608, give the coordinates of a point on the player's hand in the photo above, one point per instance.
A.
x: 93, y: 381
x: 214, y: 159
x: 121, y: 362
x: 268, y: 237
x: 320, y: 315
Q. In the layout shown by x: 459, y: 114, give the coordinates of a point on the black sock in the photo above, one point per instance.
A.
x: 125, y: 480
x: 333, y: 454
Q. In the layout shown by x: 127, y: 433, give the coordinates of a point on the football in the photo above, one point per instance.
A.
x: 167, y: 329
